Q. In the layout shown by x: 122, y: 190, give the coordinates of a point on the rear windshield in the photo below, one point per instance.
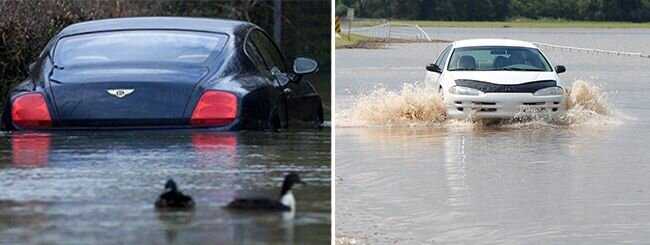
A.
x: 498, y: 59
x: 138, y: 46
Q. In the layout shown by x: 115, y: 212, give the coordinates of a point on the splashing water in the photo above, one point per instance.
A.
x: 349, y: 241
x: 418, y: 105
x: 413, y: 104
x: 587, y: 103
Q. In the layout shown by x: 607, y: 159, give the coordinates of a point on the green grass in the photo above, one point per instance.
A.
x: 517, y: 23
x: 353, y: 40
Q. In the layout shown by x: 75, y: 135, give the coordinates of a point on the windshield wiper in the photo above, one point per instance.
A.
x: 462, y: 69
x: 519, y: 69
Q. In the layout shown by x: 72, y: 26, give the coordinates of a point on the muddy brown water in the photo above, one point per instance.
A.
x: 455, y: 182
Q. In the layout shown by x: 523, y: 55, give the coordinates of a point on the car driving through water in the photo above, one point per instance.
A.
x: 163, y: 72
x: 497, y: 78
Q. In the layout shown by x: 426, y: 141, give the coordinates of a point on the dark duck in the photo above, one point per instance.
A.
x: 171, y: 198
x: 286, y: 202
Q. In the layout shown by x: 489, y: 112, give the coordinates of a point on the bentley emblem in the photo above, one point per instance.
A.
x: 120, y: 93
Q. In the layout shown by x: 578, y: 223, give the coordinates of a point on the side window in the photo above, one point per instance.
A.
x: 268, y: 50
x: 443, y: 56
x: 255, y: 56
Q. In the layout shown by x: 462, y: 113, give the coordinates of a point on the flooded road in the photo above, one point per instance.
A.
x: 99, y: 187
x: 456, y: 182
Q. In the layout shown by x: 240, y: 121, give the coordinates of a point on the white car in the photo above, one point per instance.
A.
x: 496, y: 78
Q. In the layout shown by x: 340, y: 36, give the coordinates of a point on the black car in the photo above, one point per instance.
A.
x: 163, y: 72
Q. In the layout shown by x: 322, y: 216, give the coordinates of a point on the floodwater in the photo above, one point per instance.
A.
x: 411, y: 181
x: 99, y: 187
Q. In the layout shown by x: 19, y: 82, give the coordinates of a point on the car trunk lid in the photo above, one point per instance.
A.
x: 133, y: 95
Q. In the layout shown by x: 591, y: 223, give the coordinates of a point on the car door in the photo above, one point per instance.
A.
x: 270, y: 61
x: 432, y: 78
x: 300, y: 102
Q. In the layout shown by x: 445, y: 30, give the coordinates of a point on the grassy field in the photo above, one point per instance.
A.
x: 363, y: 42
x: 519, y: 23
x: 358, y: 41
x: 353, y: 40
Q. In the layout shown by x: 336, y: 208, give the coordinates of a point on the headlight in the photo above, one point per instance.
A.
x: 460, y: 90
x: 549, y: 91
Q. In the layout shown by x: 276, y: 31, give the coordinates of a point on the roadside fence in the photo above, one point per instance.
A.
x: 592, y: 51
x: 390, y: 31
x: 400, y: 32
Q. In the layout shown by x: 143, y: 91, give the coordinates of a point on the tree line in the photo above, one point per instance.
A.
x: 498, y: 10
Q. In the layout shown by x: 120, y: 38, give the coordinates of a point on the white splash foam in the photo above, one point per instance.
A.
x: 412, y: 105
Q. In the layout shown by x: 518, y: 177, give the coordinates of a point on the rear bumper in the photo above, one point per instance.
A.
x: 503, y: 105
x: 116, y: 126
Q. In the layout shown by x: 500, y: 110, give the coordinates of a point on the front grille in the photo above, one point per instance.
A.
x: 535, y: 103
x: 476, y: 106
x: 483, y: 103
x: 486, y: 87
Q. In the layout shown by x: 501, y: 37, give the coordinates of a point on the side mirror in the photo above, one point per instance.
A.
x: 304, y: 66
x: 434, y: 68
x: 560, y: 69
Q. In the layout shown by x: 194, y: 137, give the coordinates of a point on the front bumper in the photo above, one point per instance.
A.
x: 503, y: 105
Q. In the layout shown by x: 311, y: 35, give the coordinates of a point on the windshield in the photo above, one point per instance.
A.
x: 138, y: 46
x: 498, y: 59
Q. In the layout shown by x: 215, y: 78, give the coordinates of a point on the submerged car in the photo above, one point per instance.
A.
x: 496, y: 78
x: 163, y: 72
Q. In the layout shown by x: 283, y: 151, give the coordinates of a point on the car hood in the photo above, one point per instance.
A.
x: 503, y: 77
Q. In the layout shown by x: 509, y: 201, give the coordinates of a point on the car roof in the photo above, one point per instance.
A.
x: 492, y: 42
x: 170, y: 23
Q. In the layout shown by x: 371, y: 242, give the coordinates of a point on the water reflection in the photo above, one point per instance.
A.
x: 216, y: 147
x: 174, y: 222
x: 30, y: 149
x: 272, y: 227
x: 208, y: 142
x: 454, y: 169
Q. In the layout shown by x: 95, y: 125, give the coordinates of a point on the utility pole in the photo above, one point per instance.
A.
x: 277, y: 21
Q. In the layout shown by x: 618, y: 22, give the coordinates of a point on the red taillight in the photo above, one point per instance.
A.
x: 215, y: 108
x: 30, y: 111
